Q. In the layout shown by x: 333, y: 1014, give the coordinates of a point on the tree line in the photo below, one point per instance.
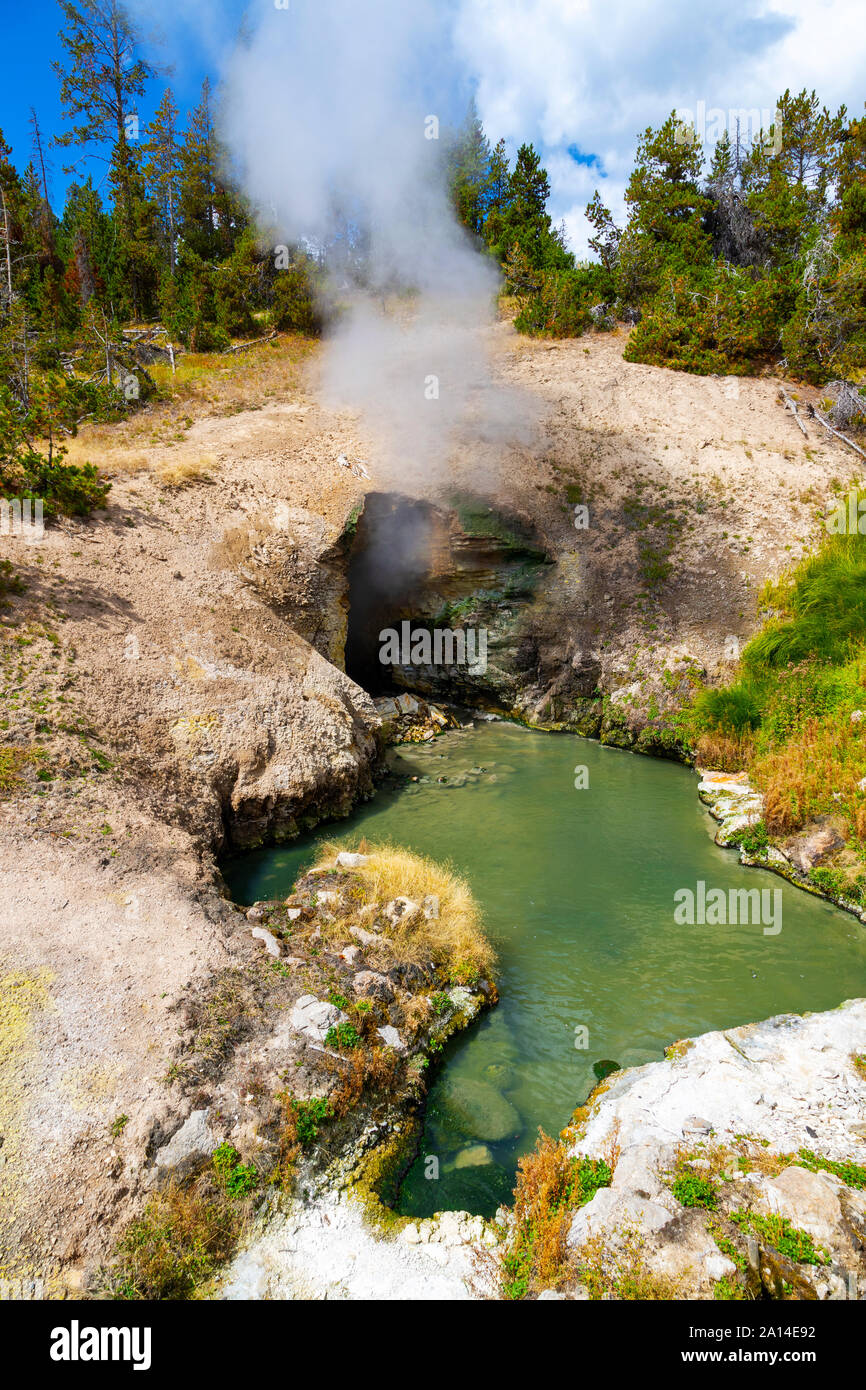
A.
x: 754, y: 257
x: 751, y: 257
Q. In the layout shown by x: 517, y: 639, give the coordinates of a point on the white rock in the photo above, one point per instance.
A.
x: 313, y: 1017
x: 401, y: 910
x: 272, y: 945
x: 391, y: 1038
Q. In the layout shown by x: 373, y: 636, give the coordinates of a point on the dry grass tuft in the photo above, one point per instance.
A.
x: 454, y: 939
x: 178, y: 1243
x: 550, y: 1187
x: 818, y: 770
x: 181, y: 472
x: 725, y: 751
x: 616, y: 1267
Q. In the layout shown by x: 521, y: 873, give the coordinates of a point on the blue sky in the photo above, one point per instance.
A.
x: 30, y: 33
x: 580, y: 78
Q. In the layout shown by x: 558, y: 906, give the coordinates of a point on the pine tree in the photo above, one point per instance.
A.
x: 469, y: 172
x: 162, y: 169
x: 103, y: 77
x: 212, y: 217
x: 10, y: 230
x: 525, y: 229
x: 104, y: 74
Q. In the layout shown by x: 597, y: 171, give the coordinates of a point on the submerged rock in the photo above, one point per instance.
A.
x: 476, y: 1156
x: 478, y: 1109
x: 604, y: 1068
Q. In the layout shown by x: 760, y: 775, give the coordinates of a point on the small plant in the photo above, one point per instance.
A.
x: 338, y: 1000
x: 238, y: 1179
x: 309, y: 1115
x: 728, y: 1290
x: 691, y: 1190
x: 464, y: 972
x: 854, y: 1174
x: 787, y: 1239
x: 440, y: 1003
x: 344, y: 1035
x: 726, y: 1246
x: 118, y: 1126
x: 754, y: 840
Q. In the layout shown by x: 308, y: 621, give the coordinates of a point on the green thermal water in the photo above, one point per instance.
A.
x: 577, y: 888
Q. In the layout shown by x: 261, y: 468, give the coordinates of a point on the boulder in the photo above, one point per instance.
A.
x: 401, y: 910
x: 391, y: 1038
x: 476, y: 1156
x: 479, y: 1109
x: 609, y: 1210
x: 368, y: 938
x: 369, y: 984
x: 813, y: 846
x: 313, y: 1017
x: 188, y: 1148
x: 808, y: 1200
x: 272, y: 945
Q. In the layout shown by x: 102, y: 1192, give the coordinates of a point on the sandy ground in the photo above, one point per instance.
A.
x: 172, y: 656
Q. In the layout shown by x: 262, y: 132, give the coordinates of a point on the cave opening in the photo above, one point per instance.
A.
x: 400, y: 546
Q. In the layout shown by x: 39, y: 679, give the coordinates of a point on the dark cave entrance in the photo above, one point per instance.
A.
x: 400, y: 547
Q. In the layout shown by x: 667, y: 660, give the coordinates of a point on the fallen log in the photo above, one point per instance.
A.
x: 838, y: 433
x: 253, y: 342
x: 792, y: 407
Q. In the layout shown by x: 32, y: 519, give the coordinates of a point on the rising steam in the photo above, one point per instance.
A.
x: 327, y: 113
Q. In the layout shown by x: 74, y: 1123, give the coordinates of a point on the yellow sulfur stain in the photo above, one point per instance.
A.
x: 22, y: 997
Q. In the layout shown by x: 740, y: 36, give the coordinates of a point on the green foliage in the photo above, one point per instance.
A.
x: 754, y: 840
x: 309, y: 1116
x: 295, y: 307
x: 343, y: 1035
x: 827, y: 606
x: 787, y: 1239
x: 25, y: 472
x: 692, y: 1190
x: 238, y: 1179
x: 854, y: 1174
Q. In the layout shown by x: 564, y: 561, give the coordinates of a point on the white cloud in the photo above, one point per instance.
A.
x: 594, y: 74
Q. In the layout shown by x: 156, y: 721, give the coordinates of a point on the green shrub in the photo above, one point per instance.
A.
x: 344, y: 1035
x: 789, y: 1240
x: 691, y: 1190
x: 238, y: 1179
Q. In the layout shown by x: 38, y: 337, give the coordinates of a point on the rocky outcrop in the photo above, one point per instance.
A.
x: 739, y: 809
x: 740, y: 1158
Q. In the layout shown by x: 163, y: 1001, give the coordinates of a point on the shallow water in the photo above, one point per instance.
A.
x: 578, y: 889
